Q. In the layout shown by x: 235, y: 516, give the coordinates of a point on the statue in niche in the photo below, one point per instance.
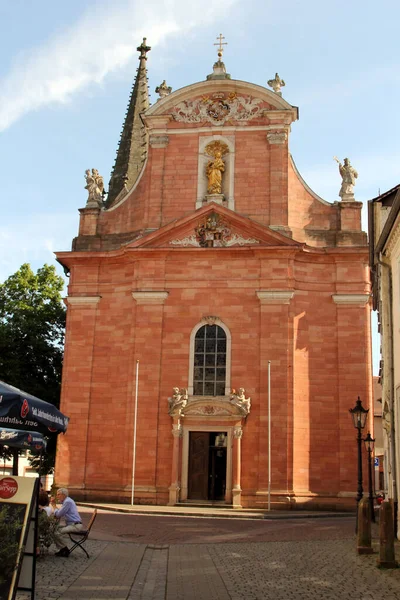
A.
x: 349, y: 176
x: 214, y: 171
x: 238, y: 398
x: 178, y: 401
x: 215, y: 167
x: 94, y: 186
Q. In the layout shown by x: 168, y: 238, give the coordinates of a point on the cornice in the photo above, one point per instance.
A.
x: 275, y: 296
x: 150, y: 297
x: 351, y: 299
x: 84, y: 300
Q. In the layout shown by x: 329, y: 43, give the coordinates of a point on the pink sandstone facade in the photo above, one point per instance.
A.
x: 202, y: 291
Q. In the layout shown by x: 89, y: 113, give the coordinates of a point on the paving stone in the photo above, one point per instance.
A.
x: 313, y: 561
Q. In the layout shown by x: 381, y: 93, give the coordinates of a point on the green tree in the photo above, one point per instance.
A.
x: 32, y: 327
x: 10, y: 532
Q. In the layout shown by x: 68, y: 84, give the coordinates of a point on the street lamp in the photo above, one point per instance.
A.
x: 359, y: 416
x: 369, y: 444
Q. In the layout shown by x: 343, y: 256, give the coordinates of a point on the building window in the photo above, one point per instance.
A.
x: 210, y: 350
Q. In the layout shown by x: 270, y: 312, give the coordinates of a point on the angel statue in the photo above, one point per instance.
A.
x: 277, y: 83
x: 238, y: 398
x: 349, y: 176
x: 95, y: 187
x: 178, y: 401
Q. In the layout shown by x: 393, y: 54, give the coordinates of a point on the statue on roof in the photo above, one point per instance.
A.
x: 349, y: 176
x: 277, y: 83
x: 95, y: 187
x: 163, y: 90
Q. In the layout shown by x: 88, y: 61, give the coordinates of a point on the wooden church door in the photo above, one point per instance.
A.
x: 199, y: 444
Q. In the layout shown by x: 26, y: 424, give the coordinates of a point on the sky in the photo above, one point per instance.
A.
x: 65, y: 80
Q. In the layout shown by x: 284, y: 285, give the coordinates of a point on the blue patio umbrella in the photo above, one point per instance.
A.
x: 22, y: 411
x: 17, y: 438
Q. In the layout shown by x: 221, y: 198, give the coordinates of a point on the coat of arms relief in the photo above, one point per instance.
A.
x: 213, y: 232
x: 219, y: 108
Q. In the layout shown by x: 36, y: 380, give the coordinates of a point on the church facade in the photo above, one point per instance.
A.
x: 218, y: 324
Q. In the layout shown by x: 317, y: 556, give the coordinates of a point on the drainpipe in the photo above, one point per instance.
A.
x: 383, y: 262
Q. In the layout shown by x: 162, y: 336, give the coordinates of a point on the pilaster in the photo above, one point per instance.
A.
x: 278, y: 165
x: 276, y: 343
x: 76, y: 392
x: 149, y: 319
x: 174, y: 488
x: 236, y: 463
x: 354, y: 374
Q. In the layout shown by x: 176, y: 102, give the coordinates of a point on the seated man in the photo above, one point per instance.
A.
x: 73, y: 521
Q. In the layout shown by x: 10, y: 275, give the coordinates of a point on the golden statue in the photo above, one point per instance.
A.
x: 215, y: 167
x: 214, y: 171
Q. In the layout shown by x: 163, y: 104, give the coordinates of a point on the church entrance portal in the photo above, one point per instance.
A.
x: 207, y: 465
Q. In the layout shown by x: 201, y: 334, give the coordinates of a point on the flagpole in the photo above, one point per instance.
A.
x: 134, y: 433
x: 269, y: 435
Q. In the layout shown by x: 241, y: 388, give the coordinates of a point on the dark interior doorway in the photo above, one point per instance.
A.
x: 207, y: 465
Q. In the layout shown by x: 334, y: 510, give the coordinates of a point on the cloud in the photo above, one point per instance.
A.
x: 102, y: 41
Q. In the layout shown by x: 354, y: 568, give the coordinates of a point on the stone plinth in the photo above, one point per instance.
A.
x: 217, y: 198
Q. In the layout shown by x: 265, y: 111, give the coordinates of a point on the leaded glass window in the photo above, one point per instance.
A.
x: 209, y: 361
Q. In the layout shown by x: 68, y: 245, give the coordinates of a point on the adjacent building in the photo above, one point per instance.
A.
x: 210, y: 285
x: 384, y: 236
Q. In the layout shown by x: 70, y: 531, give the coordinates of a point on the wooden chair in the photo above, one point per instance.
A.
x: 78, y: 538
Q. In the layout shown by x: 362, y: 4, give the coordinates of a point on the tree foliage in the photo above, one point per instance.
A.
x: 10, y: 531
x: 32, y: 325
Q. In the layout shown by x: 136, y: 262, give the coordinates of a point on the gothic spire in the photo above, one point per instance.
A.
x: 132, y: 148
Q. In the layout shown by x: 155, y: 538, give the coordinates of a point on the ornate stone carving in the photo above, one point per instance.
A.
x: 349, y: 176
x: 95, y: 187
x: 210, y: 320
x: 213, y: 232
x: 190, y: 240
x: 237, y: 433
x: 239, y: 399
x: 238, y: 239
x: 158, y: 141
x: 277, y: 137
x: 163, y: 90
x: 209, y: 410
x: 178, y: 401
x: 219, y: 108
x: 277, y: 83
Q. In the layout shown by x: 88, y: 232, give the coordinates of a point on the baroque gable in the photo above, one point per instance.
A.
x: 213, y: 226
x: 220, y: 103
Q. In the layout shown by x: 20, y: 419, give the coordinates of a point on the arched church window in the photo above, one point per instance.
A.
x: 209, y: 374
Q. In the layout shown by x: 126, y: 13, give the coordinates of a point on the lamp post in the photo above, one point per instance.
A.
x: 369, y: 444
x: 359, y: 416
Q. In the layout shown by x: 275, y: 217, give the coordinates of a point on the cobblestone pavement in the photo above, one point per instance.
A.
x: 314, y: 559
